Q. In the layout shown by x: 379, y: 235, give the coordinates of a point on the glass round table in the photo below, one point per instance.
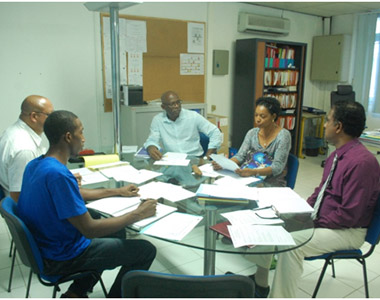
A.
x: 204, y: 238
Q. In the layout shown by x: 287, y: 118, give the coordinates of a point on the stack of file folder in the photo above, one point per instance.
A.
x: 227, y: 195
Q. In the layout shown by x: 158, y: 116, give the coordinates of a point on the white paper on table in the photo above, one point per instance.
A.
x: 81, y: 171
x: 250, y: 217
x: 162, y: 210
x: 172, y: 162
x: 130, y: 174
x: 174, y: 155
x: 236, y: 181
x: 208, y: 171
x: 129, y: 149
x: 114, y: 205
x: 137, y: 177
x: 93, y: 177
x: 285, y: 200
x: 174, y: 226
x: 173, y: 159
x: 243, y: 235
x: 224, y: 162
x: 167, y: 191
x: 242, y: 192
x: 110, y: 165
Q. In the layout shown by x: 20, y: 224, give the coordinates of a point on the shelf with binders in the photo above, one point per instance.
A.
x: 287, y: 100
x: 279, y: 56
x: 281, y: 78
x: 268, y: 68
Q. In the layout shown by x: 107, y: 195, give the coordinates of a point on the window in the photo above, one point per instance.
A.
x: 374, y: 93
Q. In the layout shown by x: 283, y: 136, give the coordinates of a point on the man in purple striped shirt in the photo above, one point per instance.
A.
x: 348, y: 200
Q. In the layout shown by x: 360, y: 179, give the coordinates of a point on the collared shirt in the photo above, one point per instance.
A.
x: 19, y: 144
x: 182, y: 135
x: 351, y: 195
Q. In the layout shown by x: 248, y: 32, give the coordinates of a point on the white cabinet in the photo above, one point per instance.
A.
x: 135, y: 120
x: 331, y: 58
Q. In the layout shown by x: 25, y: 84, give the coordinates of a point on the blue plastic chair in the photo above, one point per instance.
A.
x: 30, y: 254
x: 291, y: 176
x: 148, y: 284
x: 372, y: 237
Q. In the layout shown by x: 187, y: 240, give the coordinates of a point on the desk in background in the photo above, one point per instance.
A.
x: 320, y: 131
x: 135, y: 121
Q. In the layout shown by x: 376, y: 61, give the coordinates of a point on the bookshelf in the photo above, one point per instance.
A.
x: 268, y: 68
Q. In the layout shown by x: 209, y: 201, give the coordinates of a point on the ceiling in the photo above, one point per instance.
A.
x: 324, y: 9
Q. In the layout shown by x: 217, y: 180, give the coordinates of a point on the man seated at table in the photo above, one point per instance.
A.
x: 178, y: 130
x: 22, y: 142
x: 51, y: 206
x: 343, y: 202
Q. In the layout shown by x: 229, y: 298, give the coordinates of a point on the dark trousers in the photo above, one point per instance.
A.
x: 105, y: 254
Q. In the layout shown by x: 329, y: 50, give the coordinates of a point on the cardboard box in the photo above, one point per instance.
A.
x: 222, y: 123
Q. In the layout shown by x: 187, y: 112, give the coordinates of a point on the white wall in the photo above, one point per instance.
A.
x: 49, y: 49
x: 53, y: 49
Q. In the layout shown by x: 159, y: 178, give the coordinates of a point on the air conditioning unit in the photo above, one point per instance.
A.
x: 258, y: 24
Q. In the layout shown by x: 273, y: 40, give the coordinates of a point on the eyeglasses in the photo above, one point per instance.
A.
x: 41, y: 112
x: 173, y: 104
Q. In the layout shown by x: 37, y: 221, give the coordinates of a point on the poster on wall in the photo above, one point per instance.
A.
x: 191, y: 64
x: 195, y: 37
x: 135, y: 68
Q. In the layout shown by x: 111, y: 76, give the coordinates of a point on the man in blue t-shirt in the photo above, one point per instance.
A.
x: 52, y: 207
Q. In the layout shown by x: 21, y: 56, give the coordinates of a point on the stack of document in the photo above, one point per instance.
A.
x: 117, y: 206
x: 285, y: 200
x: 167, y: 191
x: 88, y: 176
x: 251, y: 227
x: 228, y: 177
x: 173, y: 159
x: 174, y: 226
x: 130, y: 174
x: 244, y: 235
x: 253, y: 217
x: 226, y: 194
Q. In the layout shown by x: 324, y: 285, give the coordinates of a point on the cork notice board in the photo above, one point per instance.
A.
x: 166, y: 40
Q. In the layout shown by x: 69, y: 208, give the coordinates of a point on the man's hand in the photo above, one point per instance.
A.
x: 147, y: 208
x: 78, y: 177
x: 196, y: 170
x: 215, y: 166
x: 246, y: 172
x: 154, y: 153
x: 129, y: 191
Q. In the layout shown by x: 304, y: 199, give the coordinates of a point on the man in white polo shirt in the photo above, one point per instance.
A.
x: 21, y: 142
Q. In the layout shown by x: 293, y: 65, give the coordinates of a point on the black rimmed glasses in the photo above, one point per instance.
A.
x: 173, y: 104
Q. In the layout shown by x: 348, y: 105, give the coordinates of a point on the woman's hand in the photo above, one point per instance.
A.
x: 246, y: 172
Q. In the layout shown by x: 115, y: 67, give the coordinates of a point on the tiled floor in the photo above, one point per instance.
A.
x: 181, y: 260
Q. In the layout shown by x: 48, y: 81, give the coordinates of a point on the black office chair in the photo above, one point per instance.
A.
x: 148, y: 284
x: 372, y: 237
x: 30, y: 254
x: 291, y: 176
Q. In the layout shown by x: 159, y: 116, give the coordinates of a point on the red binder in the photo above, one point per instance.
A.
x: 222, y: 228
